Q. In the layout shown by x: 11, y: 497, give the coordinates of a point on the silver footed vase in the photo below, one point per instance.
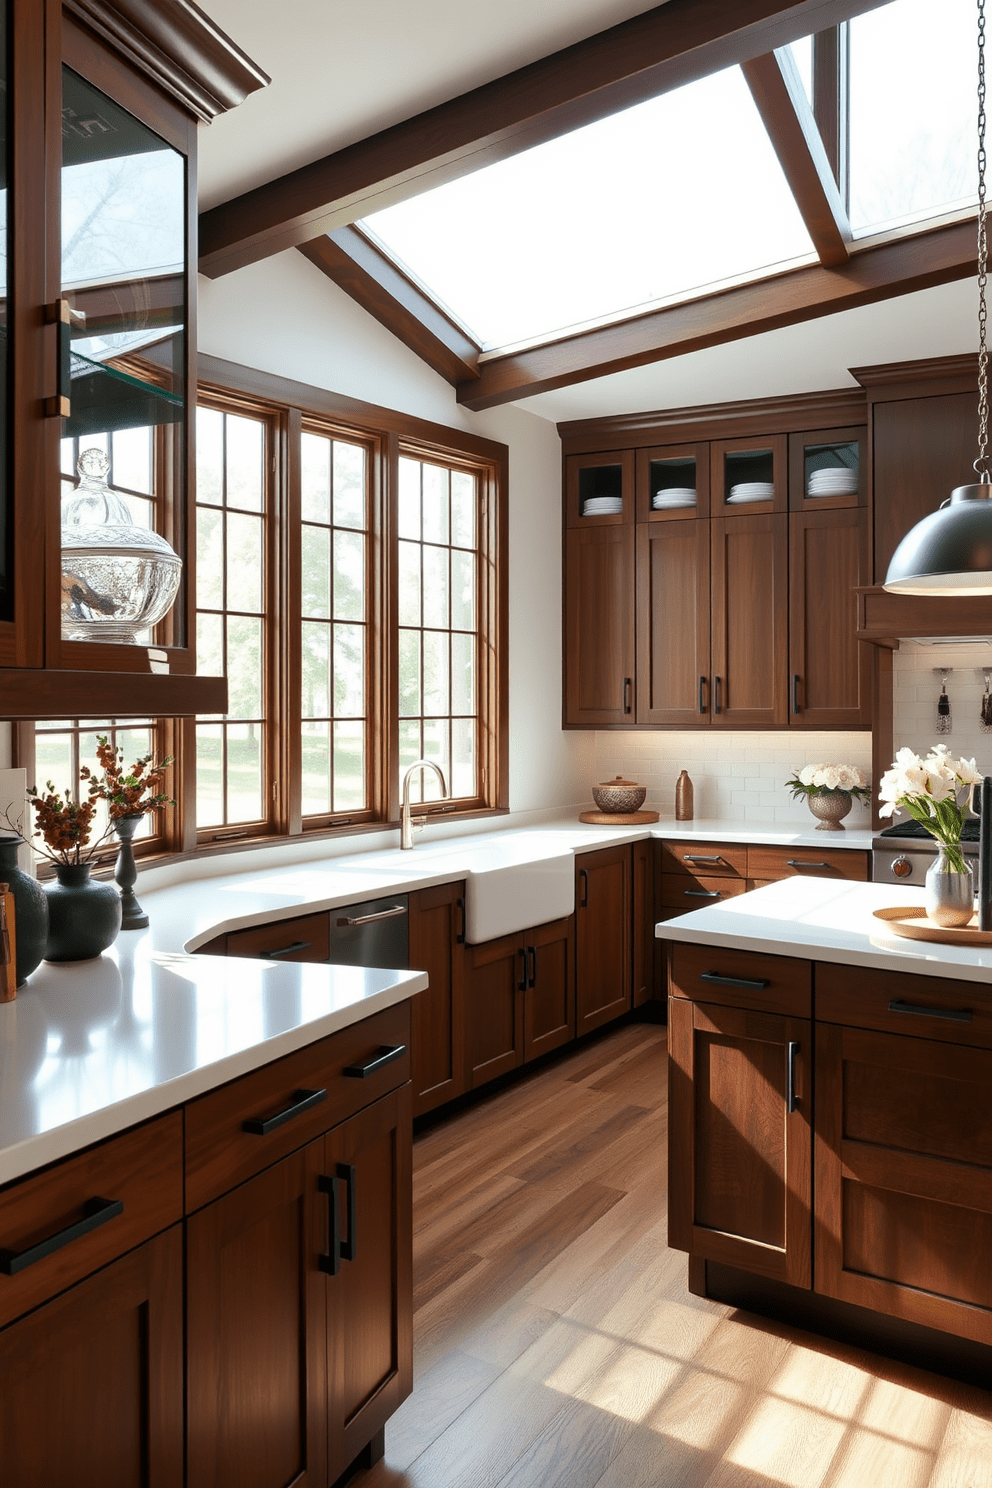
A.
x: 948, y: 894
x: 830, y: 808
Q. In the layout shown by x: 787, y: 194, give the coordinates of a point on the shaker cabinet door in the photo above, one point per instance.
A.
x: 739, y: 1138
x: 750, y: 640
x: 673, y: 623
x: 599, y: 625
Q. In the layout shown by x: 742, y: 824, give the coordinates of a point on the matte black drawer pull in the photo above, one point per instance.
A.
x: 387, y: 1053
x: 303, y: 1100
x: 792, y: 1100
x: 702, y: 700
x: 795, y: 692
x: 958, y: 1015
x: 800, y: 863
x: 96, y: 1212
x: 297, y: 945
x: 522, y: 984
x: 370, y: 919
x: 349, y: 1247
x: 701, y: 893
x: 531, y: 965
x: 701, y: 858
x: 460, y: 937
x: 719, y: 980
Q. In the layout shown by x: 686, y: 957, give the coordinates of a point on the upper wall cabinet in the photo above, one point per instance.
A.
x: 712, y: 583
x: 96, y: 572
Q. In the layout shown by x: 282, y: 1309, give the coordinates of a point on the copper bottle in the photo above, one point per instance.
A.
x: 683, y: 798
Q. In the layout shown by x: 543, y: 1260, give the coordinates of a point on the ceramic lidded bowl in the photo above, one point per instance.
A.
x: 618, y: 797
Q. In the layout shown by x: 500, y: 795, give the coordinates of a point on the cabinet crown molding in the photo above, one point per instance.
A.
x: 179, y: 48
x: 929, y: 376
x: 821, y: 410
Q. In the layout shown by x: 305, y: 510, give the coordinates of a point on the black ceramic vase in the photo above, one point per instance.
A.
x: 126, y: 873
x: 30, y: 910
x: 83, y: 917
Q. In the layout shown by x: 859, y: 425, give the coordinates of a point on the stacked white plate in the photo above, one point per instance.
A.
x: 751, y: 491
x: 673, y: 496
x: 834, y: 481
x: 602, y: 506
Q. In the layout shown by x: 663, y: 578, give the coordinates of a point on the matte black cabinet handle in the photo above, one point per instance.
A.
x: 702, y: 699
x: 800, y: 863
x: 701, y: 893
x: 531, y: 965
x: 584, y: 885
x: 716, y: 694
x: 795, y: 692
x: 96, y: 1212
x: 792, y: 1100
x: 349, y: 1247
x: 626, y: 694
x: 387, y: 1053
x: 718, y: 980
x: 460, y: 937
x: 522, y: 984
x: 287, y: 950
x: 303, y: 1100
x: 920, y: 1010
x: 701, y: 858
x: 330, y: 1261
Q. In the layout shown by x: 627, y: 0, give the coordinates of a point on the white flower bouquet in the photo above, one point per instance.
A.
x: 830, y: 780
x: 935, y: 792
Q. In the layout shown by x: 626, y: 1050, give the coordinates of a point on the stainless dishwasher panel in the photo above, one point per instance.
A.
x: 374, y: 933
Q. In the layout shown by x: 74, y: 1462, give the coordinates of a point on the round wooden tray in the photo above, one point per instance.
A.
x: 913, y: 924
x: 618, y: 818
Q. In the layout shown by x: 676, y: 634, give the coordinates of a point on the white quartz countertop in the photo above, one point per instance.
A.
x: 187, y: 915
x: 825, y: 919
x: 90, y: 1048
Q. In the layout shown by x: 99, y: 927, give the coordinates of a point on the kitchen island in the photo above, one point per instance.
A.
x: 830, y: 1128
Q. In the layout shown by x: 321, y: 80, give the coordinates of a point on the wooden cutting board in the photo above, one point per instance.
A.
x: 618, y: 818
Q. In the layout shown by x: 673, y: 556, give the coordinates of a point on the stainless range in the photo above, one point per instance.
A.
x: 902, y: 853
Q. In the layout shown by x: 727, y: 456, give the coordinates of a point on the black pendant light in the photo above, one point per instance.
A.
x: 950, y: 551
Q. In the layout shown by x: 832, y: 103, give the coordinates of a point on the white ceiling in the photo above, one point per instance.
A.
x: 343, y: 71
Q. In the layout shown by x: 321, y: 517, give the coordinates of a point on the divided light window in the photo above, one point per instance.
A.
x: 336, y: 635
x: 61, y: 748
x: 233, y: 505
x: 438, y: 612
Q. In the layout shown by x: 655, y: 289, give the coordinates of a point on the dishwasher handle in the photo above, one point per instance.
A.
x: 371, y: 919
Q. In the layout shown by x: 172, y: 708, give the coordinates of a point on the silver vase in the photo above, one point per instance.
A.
x: 830, y: 808
x: 949, y: 895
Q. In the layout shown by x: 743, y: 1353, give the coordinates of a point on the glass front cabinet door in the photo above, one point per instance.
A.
x: 97, y: 358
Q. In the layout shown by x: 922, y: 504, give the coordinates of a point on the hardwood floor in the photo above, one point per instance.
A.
x: 556, y: 1343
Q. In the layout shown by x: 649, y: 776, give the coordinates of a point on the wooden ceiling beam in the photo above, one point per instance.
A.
x: 880, y: 272
x: 672, y: 44
x: 786, y: 113
x: 359, y: 266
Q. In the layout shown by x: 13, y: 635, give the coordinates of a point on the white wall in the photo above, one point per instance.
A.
x: 284, y: 316
x: 735, y: 776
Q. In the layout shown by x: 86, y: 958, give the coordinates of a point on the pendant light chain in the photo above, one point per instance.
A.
x: 981, y: 464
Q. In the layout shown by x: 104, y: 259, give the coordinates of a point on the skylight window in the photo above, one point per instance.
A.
x: 655, y: 203
x: 914, y: 79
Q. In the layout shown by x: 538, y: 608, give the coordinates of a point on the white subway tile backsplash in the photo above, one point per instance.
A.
x: 737, y: 776
x: 916, y: 687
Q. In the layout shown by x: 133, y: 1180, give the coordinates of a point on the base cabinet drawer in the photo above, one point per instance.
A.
x: 742, y: 979
x: 63, y: 1223
x: 305, y: 938
x: 683, y: 894
x: 904, y: 1178
x: 772, y: 863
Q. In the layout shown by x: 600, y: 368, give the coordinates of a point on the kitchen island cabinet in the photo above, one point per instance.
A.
x: 895, y: 1217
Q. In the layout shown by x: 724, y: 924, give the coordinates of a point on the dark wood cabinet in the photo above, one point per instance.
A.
x: 369, y: 1330
x: 749, y: 645
x: 256, y: 1331
x: 599, y: 625
x: 495, y: 980
x: 829, y: 669
x: 903, y: 1170
x: 93, y: 1380
x: 437, y: 932
x: 549, y: 998
x: 673, y: 623
x: 740, y: 1138
x: 745, y: 463
x: 75, y: 291
x: 645, y: 955
x: 602, y: 937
